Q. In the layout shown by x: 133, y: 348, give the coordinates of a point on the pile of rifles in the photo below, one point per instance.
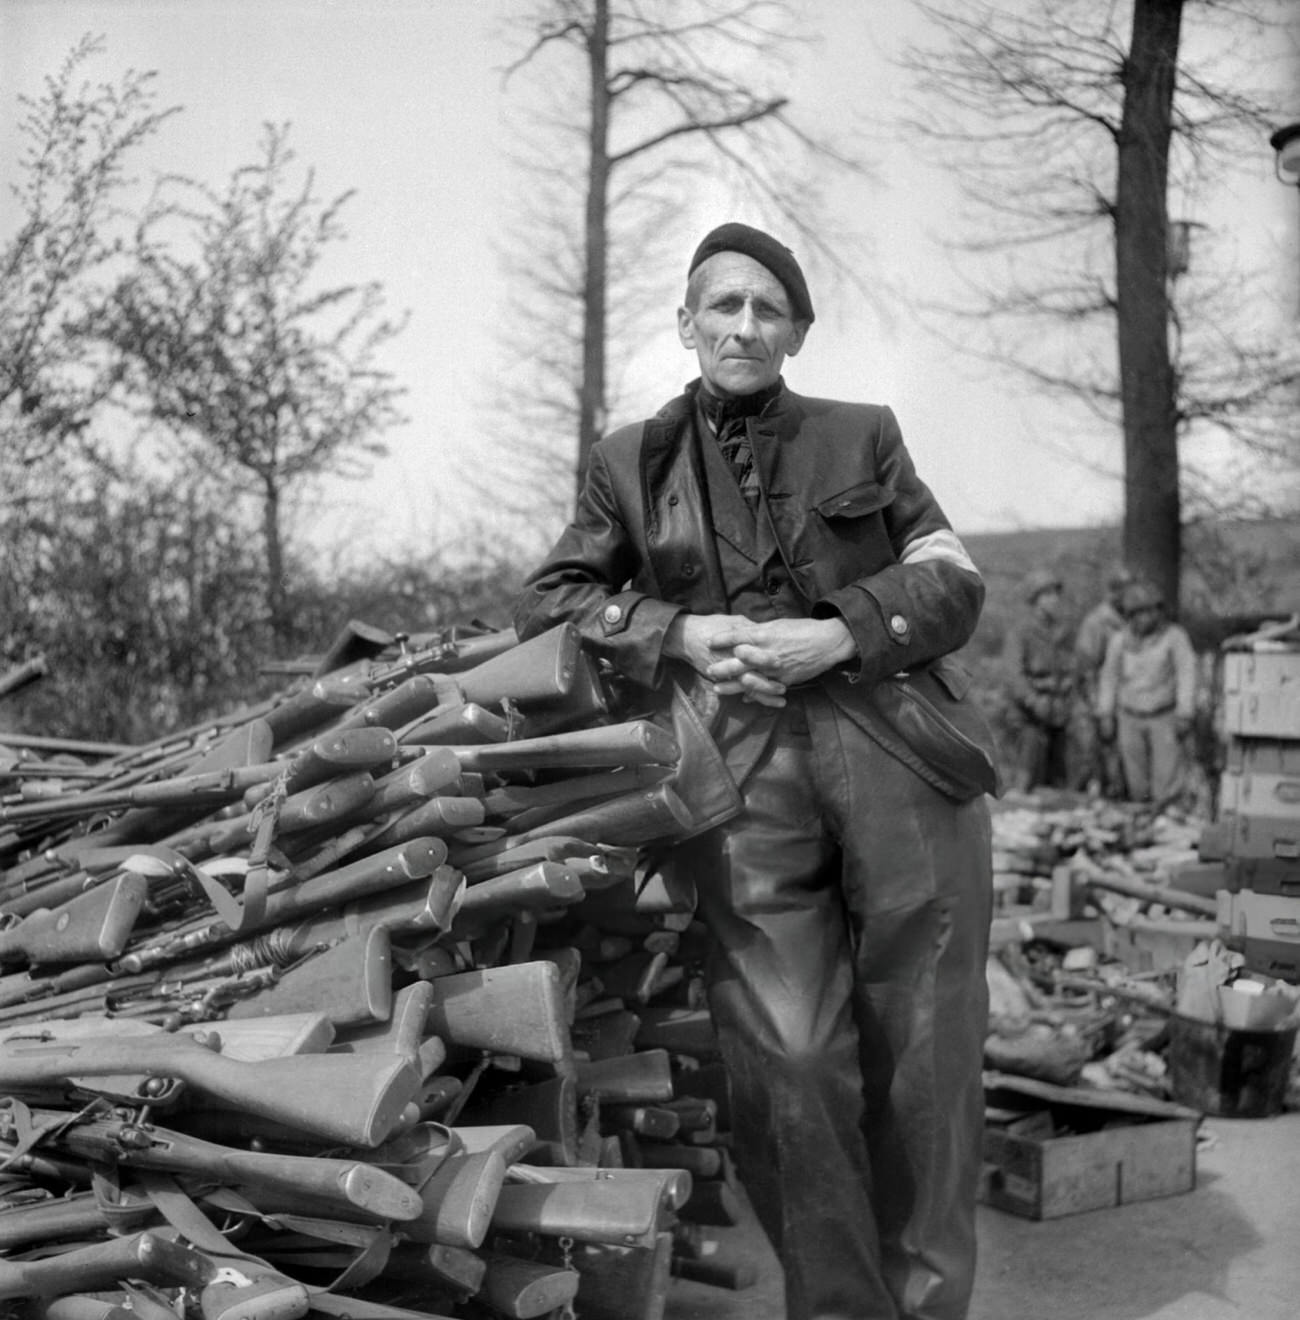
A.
x: 363, y: 1002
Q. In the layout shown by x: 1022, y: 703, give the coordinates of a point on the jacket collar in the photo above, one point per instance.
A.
x: 778, y: 422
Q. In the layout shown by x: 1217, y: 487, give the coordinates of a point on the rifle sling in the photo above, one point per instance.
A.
x: 373, y: 1243
x: 178, y: 1208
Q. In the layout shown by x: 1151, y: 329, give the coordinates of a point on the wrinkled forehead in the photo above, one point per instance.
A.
x: 734, y: 272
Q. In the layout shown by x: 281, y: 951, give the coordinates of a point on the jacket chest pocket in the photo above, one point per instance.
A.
x: 853, y: 521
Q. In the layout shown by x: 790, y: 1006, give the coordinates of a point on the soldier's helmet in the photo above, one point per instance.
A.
x: 1141, y: 596
x: 1039, y: 581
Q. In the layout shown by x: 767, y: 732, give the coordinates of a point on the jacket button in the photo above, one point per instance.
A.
x: 773, y: 586
x: 898, y: 625
x: 688, y: 570
x: 673, y: 500
x: 612, y: 613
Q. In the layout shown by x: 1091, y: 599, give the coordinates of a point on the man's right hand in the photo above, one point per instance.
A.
x: 693, y: 638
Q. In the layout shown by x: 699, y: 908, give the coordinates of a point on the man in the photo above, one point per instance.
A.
x: 775, y: 562
x: 1146, y: 697
x: 1039, y: 662
x: 1098, y: 759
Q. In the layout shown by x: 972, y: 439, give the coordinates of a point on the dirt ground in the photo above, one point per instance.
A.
x: 1228, y: 1250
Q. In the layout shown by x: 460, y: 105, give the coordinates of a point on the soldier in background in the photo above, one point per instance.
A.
x: 1040, y: 668
x: 1146, y: 697
x: 1098, y: 758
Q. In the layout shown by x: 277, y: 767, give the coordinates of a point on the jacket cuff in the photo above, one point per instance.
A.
x: 881, y: 638
x: 632, y: 628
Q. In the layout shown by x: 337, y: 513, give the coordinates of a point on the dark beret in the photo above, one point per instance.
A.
x: 736, y: 237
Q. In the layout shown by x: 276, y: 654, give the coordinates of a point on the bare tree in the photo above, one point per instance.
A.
x: 654, y: 97
x: 263, y: 376
x: 1067, y: 129
x: 78, y: 137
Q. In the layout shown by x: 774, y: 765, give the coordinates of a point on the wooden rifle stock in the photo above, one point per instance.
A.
x: 311, y: 807
x: 1131, y: 887
x: 513, y: 1009
x: 462, y: 724
x: 625, y: 1283
x: 456, y: 1268
x: 624, y: 1207
x: 339, y: 1097
x: 446, y: 656
x: 481, y: 862
x: 153, y: 1257
x: 439, y: 817
x: 55, y: 1220
x: 524, y: 1289
x: 417, y: 859
x: 643, y: 1077
x: 323, y: 759
x: 82, y: 1306
x: 417, y: 781
x: 402, y: 1033
x: 409, y: 700
x: 627, y: 821
x: 94, y: 927
x: 636, y: 742
x: 348, y: 1186
x: 351, y: 983
x: 459, y: 1200
x: 246, y: 745
x: 536, y: 888
x: 539, y: 671
x: 526, y: 805
x: 424, y: 906
x: 320, y: 702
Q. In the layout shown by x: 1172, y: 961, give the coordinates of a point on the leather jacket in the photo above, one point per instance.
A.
x: 850, y: 516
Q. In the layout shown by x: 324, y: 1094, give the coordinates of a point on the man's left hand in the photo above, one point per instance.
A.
x: 787, y: 651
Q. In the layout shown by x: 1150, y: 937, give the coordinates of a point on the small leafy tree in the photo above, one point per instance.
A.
x: 78, y: 138
x: 230, y: 344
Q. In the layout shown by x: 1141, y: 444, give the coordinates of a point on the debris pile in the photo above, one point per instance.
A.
x: 359, y: 1000
x: 1103, y: 908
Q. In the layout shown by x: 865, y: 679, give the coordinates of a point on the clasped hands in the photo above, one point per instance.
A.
x: 758, y: 661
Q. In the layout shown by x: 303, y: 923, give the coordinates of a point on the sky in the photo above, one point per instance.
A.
x: 404, y: 102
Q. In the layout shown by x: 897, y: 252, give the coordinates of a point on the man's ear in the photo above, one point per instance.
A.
x: 686, y: 327
x: 798, y: 335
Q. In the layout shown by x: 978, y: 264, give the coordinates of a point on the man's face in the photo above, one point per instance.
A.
x: 1047, y: 604
x: 1143, y: 621
x: 741, y: 329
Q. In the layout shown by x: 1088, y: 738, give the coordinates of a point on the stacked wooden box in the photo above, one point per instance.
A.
x: 1258, y: 830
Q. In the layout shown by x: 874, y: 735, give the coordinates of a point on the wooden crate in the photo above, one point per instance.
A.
x: 1261, y: 692
x: 1055, y: 1150
x: 1259, y: 799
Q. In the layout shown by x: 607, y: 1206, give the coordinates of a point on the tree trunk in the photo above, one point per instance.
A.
x: 277, y: 608
x: 591, y: 402
x: 1152, y: 511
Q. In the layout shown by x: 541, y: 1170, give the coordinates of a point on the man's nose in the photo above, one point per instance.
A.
x: 746, y: 325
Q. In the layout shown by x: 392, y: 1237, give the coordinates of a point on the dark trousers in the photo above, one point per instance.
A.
x: 850, y: 908
x: 1041, y: 756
